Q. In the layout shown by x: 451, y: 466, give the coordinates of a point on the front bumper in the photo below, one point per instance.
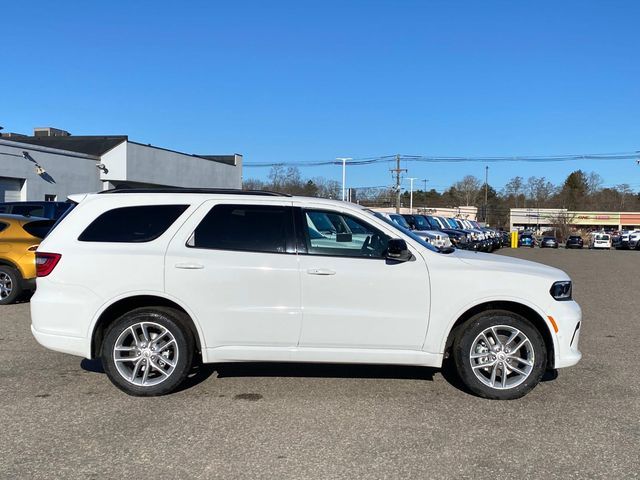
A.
x: 568, y: 318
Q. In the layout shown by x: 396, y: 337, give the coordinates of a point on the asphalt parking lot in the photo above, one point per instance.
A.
x: 61, y: 418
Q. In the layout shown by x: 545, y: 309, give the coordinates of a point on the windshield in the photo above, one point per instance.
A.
x: 452, y: 223
x: 399, y: 219
x: 421, y: 222
x: 409, y: 233
x: 433, y: 222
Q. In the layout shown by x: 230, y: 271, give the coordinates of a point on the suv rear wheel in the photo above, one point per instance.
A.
x: 499, y: 355
x: 10, y: 285
x: 148, y: 351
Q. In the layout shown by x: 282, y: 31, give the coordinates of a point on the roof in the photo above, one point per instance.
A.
x: 209, y: 191
x: 88, y: 144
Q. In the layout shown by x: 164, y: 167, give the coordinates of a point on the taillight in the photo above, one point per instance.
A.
x: 46, y: 262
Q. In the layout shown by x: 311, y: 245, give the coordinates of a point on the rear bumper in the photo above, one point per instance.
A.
x: 62, y: 343
x: 29, y: 284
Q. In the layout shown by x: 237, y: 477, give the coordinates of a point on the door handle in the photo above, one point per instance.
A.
x: 189, y: 266
x: 320, y: 271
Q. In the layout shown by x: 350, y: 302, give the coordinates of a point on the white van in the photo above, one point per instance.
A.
x: 600, y: 240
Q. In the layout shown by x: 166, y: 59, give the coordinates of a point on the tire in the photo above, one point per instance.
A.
x: 142, y: 376
x: 479, y: 379
x: 10, y: 285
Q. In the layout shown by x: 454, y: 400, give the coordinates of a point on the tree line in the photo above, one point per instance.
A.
x: 579, y: 191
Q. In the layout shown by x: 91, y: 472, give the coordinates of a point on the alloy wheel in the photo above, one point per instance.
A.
x: 502, y: 357
x: 146, y: 354
x: 6, y: 285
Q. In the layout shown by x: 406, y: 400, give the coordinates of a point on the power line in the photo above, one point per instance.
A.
x: 457, y: 159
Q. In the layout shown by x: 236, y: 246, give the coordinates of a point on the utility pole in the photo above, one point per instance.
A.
x: 411, y: 179
x: 397, y: 171
x: 486, y: 191
x: 425, y: 180
x: 344, y: 175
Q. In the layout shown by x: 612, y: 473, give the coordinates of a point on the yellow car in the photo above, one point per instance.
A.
x: 19, y: 239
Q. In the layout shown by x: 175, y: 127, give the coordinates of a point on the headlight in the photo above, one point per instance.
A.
x: 561, y: 290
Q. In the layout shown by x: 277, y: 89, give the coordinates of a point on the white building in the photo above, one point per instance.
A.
x: 52, y: 164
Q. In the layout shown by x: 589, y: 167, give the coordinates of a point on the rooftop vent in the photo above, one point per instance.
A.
x: 50, y: 132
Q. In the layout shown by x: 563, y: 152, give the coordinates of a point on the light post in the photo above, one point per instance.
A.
x: 411, y: 179
x: 344, y: 174
x: 425, y: 180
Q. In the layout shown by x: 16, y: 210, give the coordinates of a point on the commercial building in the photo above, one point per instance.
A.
x: 466, y: 212
x: 539, y: 218
x: 52, y: 164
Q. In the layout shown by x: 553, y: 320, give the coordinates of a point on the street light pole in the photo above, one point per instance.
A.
x: 425, y: 180
x: 411, y: 179
x: 344, y: 175
x: 486, y: 191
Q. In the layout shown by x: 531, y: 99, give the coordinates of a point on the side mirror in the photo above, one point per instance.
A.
x: 397, y: 250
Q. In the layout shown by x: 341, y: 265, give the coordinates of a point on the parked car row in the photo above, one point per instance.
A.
x: 627, y: 240
x: 443, y: 232
x: 596, y: 240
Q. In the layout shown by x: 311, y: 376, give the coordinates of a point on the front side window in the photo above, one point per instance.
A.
x: 132, y: 224
x: 251, y: 228
x: 348, y: 237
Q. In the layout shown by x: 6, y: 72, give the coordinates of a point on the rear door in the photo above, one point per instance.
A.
x: 234, y: 264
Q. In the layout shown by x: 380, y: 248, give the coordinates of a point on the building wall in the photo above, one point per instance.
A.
x: 128, y: 164
x: 132, y: 162
x: 64, y: 174
x: 531, y: 217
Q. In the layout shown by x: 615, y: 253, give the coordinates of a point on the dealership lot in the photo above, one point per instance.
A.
x: 61, y: 417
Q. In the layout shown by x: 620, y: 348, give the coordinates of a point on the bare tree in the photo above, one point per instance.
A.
x: 594, y: 183
x: 514, y: 188
x: 468, y: 189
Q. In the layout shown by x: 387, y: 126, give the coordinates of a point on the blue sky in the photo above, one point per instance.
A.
x: 307, y: 81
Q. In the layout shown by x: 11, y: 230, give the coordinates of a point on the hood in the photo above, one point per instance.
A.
x: 500, y: 263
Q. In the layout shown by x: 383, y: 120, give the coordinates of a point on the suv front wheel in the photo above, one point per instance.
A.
x: 499, y: 355
x: 148, y: 351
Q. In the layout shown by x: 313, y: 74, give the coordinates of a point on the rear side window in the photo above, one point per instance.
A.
x: 38, y: 229
x: 132, y: 224
x: 251, y: 228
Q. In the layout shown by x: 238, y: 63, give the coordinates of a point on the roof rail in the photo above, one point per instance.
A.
x: 219, y: 191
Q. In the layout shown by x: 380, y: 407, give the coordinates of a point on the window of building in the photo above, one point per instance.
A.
x: 251, y: 228
x: 50, y: 198
x: 132, y: 224
x: 336, y: 234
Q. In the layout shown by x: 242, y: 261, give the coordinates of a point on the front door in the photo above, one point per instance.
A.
x: 234, y: 265
x: 352, y: 296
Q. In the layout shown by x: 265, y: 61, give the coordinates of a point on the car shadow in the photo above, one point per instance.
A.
x: 202, y: 371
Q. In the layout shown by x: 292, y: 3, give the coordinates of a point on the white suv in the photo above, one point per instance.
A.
x: 150, y: 281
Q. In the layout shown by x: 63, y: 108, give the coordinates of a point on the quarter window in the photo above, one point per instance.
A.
x: 132, y: 224
x: 3, y: 226
x: 251, y: 228
x: 335, y: 234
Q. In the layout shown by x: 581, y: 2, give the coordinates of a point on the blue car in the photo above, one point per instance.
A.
x: 527, y: 240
